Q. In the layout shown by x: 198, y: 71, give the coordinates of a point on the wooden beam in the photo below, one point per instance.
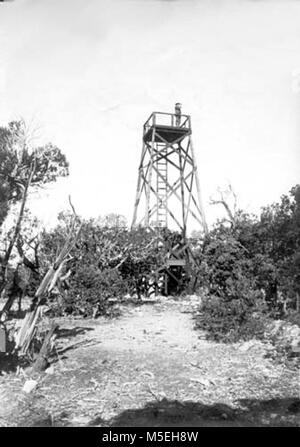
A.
x: 139, y: 189
x: 172, y: 190
x: 182, y: 191
x: 189, y: 198
x: 149, y: 180
x: 198, y: 188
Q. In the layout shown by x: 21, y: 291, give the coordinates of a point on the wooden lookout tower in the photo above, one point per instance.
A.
x: 168, y: 188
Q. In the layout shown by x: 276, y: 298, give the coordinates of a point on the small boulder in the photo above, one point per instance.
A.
x: 50, y: 370
x: 29, y: 386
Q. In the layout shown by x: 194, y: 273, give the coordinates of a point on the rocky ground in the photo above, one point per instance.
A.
x: 149, y: 367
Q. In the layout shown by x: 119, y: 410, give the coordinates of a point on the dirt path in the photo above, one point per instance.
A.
x: 149, y: 367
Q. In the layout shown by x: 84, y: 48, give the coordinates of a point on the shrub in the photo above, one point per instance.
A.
x: 233, y: 309
x: 230, y: 321
x: 89, y: 292
x: 253, y: 259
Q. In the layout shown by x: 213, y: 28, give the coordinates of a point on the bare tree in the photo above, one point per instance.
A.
x: 224, y: 197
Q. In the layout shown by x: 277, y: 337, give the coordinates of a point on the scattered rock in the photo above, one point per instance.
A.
x: 148, y: 373
x: 50, y: 370
x: 161, y: 396
x: 202, y: 381
x: 29, y: 386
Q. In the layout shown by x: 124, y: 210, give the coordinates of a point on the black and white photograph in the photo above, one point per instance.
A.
x: 149, y: 216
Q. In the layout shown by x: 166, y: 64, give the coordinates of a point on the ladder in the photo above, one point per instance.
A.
x: 161, y: 186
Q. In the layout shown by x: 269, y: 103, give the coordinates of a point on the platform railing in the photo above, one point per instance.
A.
x: 168, y: 119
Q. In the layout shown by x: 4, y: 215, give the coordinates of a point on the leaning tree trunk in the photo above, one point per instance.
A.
x: 42, y: 362
x: 5, y: 261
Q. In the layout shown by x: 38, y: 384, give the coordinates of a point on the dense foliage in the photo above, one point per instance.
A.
x: 246, y: 271
x: 249, y: 271
x: 107, y: 262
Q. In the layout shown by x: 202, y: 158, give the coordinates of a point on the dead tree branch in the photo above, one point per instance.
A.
x: 27, y: 331
x: 223, y: 199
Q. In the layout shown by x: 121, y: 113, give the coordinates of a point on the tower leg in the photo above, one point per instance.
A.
x: 137, y: 200
x: 139, y: 187
x: 149, y: 179
x: 198, y: 188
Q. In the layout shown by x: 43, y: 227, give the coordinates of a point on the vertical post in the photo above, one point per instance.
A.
x: 182, y: 192
x: 138, y: 194
x: 157, y: 195
x: 166, y: 196
x: 137, y: 199
x: 149, y: 179
x: 198, y: 186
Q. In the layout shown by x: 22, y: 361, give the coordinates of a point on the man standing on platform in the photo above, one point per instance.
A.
x: 177, y: 114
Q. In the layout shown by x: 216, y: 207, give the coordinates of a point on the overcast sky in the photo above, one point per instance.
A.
x: 89, y: 73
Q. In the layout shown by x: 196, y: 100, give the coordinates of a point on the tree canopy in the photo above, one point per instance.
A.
x: 16, y: 158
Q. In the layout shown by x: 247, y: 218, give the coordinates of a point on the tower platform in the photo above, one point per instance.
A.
x: 165, y: 133
x: 163, y: 127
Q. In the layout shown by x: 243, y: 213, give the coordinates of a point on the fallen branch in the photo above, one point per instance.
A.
x: 41, y: 362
